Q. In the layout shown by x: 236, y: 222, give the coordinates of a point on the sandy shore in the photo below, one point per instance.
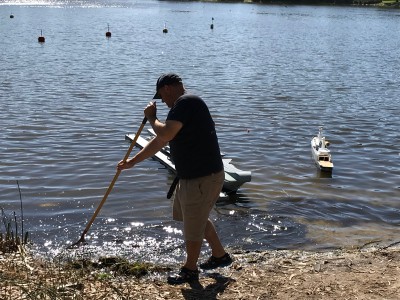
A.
x: 370, y: 272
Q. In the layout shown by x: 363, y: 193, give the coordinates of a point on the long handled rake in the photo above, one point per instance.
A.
x: 82, y: 239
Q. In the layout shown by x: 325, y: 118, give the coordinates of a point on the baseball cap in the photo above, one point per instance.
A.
x: 166, y: 79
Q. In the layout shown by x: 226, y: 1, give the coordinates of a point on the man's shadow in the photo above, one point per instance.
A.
x: 209, y: 292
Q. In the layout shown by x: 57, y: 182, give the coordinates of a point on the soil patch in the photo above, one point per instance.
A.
x: 363, y: 273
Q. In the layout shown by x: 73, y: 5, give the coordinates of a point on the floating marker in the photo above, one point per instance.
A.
x: 108, y: 33
x: 212, y: 23
x: 41, y: 37
x: 165, y: 30
x: 11, y: 16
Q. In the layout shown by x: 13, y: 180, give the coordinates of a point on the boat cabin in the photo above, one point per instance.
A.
x: 323, y: 158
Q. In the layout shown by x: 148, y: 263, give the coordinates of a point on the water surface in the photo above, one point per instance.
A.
x: 271, y: 76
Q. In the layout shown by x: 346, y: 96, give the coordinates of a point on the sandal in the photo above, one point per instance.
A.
x: 184, y: 275
x: 216, y: 262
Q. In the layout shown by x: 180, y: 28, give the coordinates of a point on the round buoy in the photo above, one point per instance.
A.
x: 41, y: 38
x: 11, y: 16
x: 108, y: 33
x: 165, y: 30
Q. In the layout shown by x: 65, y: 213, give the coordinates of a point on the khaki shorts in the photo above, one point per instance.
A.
x: 194, y: 199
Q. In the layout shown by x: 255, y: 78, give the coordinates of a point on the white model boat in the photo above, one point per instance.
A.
x: 234, y: 178
x: 320, y: 152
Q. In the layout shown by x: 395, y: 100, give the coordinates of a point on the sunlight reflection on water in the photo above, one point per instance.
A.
x: 271, y: 76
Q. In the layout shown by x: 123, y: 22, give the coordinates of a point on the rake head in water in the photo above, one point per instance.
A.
x: 78, y: 243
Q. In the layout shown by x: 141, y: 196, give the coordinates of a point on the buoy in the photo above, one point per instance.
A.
x: 41, y: 37
x: 108, y: 33
x: 165, y: 30
x: 212, y: 23
x: 11, y: 16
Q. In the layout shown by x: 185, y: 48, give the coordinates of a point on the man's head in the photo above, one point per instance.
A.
x: 169, y: 87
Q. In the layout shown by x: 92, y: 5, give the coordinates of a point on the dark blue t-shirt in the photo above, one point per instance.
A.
x: 194, y: 150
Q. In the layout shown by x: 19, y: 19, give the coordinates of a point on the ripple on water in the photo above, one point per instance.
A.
x: 269, y: 84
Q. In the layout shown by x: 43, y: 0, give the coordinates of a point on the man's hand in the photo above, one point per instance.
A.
x: 122, y: 165
x: 151, y: 111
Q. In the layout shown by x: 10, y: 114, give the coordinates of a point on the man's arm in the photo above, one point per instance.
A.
x: 165, y: 131
x: 155, y: 145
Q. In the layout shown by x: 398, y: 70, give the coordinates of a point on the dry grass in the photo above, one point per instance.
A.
x: 24, y: 277
x: 371, y: 273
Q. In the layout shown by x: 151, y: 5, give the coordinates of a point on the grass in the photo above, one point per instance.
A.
x: 390, y: 3
x: 10, y: 238
x: 10, y: 241
x: 70, y: 276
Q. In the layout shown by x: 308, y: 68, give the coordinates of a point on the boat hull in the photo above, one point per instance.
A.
x: 234, y: 178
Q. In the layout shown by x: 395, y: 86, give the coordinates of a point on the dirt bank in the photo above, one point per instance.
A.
x: 364, y: 273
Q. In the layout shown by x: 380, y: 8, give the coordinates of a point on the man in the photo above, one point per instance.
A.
x: 190, y: 131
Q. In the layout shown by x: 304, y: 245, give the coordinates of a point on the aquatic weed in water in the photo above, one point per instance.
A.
x: 10, y: 240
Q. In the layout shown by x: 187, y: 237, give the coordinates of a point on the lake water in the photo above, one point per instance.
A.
x: 271, y: 76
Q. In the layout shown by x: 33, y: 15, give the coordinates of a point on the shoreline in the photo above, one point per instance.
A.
x: 359, y: 3
x: 368, y: 272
